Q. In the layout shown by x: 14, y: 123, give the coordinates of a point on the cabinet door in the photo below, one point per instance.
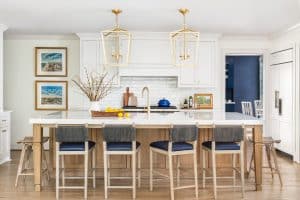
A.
x: 207, y: 57
x: 3, y: 144
x: 282, y: 124
x: 91, y: 54
x: 285, y: 119
x: 202, y: 74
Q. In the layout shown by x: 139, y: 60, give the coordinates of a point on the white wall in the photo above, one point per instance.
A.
x: 2, y: 29
x: 19, y: 77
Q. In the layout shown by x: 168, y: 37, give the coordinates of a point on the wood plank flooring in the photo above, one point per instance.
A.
x: 271, y: 188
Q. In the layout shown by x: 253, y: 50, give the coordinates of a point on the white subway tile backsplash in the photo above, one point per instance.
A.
x: 160, y: 87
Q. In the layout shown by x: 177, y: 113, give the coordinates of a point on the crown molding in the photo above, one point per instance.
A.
x: 12, y: 36
x: 3, y: 27
x: 295, y: 27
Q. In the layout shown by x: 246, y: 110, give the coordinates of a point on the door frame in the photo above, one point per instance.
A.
x: 247, y: 52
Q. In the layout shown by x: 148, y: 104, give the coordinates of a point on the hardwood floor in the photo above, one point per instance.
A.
x: 271, y: 188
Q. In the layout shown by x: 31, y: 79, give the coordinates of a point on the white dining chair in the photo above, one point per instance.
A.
x: 258, y: 108
x: 247, y: 108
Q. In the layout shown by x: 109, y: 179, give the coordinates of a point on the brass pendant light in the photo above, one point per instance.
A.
x: 116, y: 44
x: 184, y: 44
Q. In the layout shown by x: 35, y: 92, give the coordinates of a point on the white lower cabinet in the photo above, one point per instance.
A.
x: 4, y: 137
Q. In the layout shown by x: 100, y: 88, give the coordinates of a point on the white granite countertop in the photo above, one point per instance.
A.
x: 201, y: 118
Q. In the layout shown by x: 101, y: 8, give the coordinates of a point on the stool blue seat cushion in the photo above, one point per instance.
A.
x: 121, y: 146
x: 74, y: 146
x: 176, y: 146
x: 222, y: 145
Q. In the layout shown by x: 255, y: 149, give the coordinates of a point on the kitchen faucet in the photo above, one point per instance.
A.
x: 148, y: 100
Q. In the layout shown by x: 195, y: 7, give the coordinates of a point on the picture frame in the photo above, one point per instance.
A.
x: 203, y: 101
x: 51, y: 61
x: 51, y: 95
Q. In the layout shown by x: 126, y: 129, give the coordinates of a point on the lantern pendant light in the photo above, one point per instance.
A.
x: 116, y: 44
x: 184, y: 44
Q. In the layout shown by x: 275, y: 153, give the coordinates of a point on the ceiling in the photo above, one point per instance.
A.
x: 249, y: 17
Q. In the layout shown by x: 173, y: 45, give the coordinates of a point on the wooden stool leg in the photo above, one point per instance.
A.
x: 57, y: 172
x: 151, y: 170
x: 268, y: 152
x: 233, y: 171
x: 86, y: 166
x: 21, y: 162
x: 276, y: 164
x: 195, y: 172
x: 203, y: 169
x: 45, y: 164
x: 171, y: 176
x: 178, y: 170
x: 28, y: 154
x: 134, y: 175
x: 214, y: 173
x: 94, y: 167
x: 63, y: 170
x: 242, y: 168
x: 139, y: 168
x: 105, y: 172
x: 250, y: 165
x: 108, y: 170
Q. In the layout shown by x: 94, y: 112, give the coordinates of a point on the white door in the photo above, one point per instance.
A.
x: 281, y: 124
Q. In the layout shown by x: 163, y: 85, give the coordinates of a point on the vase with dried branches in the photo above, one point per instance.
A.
x: 95, y: 86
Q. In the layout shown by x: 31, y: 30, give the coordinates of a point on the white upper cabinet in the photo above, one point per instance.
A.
x: 202, y: 75
x: 91, y: 57
x: 151, y: 56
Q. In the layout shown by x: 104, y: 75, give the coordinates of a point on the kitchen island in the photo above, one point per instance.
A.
x: 149, y: 128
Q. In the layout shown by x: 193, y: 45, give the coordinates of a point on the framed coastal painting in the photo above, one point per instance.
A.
x: 51, y: 61
x: 203, y: 101
x: 51, y: 95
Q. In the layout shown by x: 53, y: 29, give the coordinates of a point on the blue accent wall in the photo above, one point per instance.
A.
x: 244, y: 79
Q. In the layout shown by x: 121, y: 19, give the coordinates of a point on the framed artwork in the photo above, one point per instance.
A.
x: 51, y: 61
x: 51, y: 95
x: 203, y: 101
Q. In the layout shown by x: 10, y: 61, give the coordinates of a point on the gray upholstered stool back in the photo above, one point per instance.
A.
x: 183, y: 133
x: 71, y: 134
x: 228, y: 134
x: 119, y: 133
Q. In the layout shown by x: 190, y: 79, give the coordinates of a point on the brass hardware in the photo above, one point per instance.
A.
x: 116, y: 11
x: 183, y: 11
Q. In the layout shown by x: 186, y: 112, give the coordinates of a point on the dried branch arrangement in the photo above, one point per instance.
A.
x: 96, y: 86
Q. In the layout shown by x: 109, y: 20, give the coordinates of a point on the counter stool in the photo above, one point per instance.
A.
x: 23, y: 168
x: 225, y: 140
x: 73, y: 140
x: 121, y: 140
x: 183, y: 141
x: 268, y: 143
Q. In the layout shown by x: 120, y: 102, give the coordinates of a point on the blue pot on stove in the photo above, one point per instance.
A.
x: 164, y: 103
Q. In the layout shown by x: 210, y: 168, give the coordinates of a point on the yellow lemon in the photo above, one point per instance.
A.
x: 127, y: 115
x: 120, y: 114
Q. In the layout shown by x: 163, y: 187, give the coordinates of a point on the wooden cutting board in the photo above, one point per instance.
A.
x: 126, y: 96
